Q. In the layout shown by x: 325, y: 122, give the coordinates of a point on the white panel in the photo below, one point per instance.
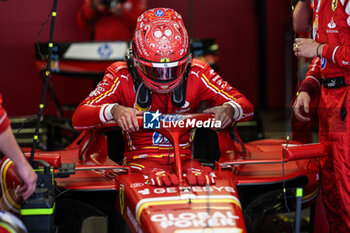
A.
x: 96, y: 51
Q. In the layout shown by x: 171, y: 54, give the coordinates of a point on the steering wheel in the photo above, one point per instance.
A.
x: 172, y: 126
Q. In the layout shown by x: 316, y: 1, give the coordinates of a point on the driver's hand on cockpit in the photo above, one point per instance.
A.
x: 223, y: 113
x: 301, y: 107
x: 125, y: 117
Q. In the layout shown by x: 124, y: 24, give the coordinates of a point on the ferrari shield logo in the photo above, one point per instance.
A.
x: 121, y: 199
x: 165, y: 60
x: 334, y: 4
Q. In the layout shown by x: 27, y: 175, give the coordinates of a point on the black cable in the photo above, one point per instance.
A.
x: 287, y: 143
x: 90, y: 139
x: 61, y: 192
x: 289, y: 130
x: 237, y: 138
x: 284, y: 186
x: 46, y: 82
x: 38, y: 38
x: 30, y: 118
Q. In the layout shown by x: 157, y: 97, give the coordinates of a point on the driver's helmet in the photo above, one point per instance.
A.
x: 161, y: 49
x: 9, y: 223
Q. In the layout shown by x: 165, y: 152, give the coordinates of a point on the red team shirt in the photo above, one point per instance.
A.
x: 4, y: 121
x: 331, y: 28
x: 117, y: 86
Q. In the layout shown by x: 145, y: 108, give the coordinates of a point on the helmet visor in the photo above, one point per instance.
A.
x: 163, y: 72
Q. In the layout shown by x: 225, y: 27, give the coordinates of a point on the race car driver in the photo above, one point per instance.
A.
x: 160, y: 75
x: 329, y: 73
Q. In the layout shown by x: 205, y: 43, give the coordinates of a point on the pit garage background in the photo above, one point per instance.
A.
x: 254, y: 37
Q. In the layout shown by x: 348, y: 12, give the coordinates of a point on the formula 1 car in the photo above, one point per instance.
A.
x: 253, y: 181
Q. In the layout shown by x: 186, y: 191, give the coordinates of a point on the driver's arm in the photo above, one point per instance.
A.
x: 228, y: 101
x: 105, y: 102
x: 125, y: 117
x: 223, y: 113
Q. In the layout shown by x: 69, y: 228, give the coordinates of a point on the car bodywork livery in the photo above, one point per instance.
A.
x: 244, y: 173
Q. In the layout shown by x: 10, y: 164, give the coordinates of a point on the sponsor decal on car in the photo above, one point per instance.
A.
x: 197, y: 189
x: 136, y: 185
x: 198, y: 219
x: 145, y: 203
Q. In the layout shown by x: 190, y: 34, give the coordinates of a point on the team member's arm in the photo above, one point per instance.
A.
x: 310, y: 86
x: 338, y: 54
x: 313, y: 81
x: 10, y: 148
x: 302, y: 16
x: 310, y: 48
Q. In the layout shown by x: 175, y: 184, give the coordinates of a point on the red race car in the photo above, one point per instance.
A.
x: 254, y: 182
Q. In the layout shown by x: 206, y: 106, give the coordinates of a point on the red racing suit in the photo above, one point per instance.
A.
x: 331, y: 26
x: 107, y: 26
x: 117, y: 86
x: 4, y: 121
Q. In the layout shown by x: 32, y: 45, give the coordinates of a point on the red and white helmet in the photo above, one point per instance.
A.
x: 161, y: 49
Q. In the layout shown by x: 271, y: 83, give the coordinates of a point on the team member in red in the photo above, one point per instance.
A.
x: 159, y: 76
x: 10, y: 148
x: 110, y: 19
x: 329, y: 73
